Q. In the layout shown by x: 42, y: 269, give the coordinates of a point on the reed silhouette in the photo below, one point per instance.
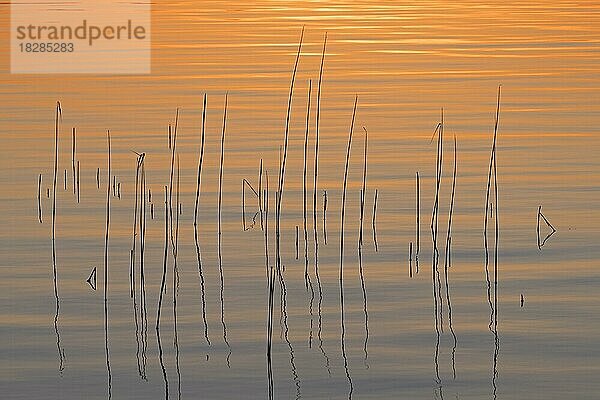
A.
x: 325, y: 217
x: 341, y: 270
x: 374, y: 222
x: 196, y: 206
x: 219, y: 232
x: 491, y: 171
x: 61, y: 352
x: 39, y: 198
x: 307, y: 281
x: 160, y: 297
x: 448, y: 260
x: 418, y: 228
x: 106, y: 238
x: 316, y: 164
x: 73, y: 150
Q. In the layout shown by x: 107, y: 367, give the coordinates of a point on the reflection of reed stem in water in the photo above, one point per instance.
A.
x: 65, y: 180
x: 435, y: 250
x: 448, y: 259
x: 418, y: 216
x: 97, y: 178
x: 137, y: 211
x: 78, y: 188
x: 220, y: 206
x: 365, y: 307
x: 39, y: 198
x: 106, y: 274
x: 314, y: 209
x: 374, y: 222
x: 144, y: 307
x: 437, y: 291
x: 410, y: 259
x: 160, y: 297
x: 307, y: 281
x: 487, y: 212
x: 197, y: 204
x: 175, y: 251
x: 61, y: 352
x: 360, y: 244
x: 271, y: 287
x: 343, y: 214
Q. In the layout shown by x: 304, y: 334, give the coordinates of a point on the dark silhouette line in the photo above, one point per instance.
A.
x: 435, y: 253
x: 73, y: 150
x: 541, y: 242
x: 365, y: 306
x: 343, y: 214
x: 325, y: 217
x: 364, y: 189
x: 316, y: 165
x: 197, y: 204
x: 418, y: 216
x: 39, y: 198
x: 307, y: 281
x: 447, y: 261
x: 487, y: 212
x: 220, y: 256
x: 374, y: 223
x: 61, y: 352
x: 106, y: 310
x: 160, y: 297
x: 91, y: 280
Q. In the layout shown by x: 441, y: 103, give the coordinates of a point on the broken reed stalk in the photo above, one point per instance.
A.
x: 220, y: 207
x: 364, y: 188
x: 61, y: 353
x: 197, y: 204
x: 341, y: 272
x: 39, y: 198
x: 106, y: 273
x: 316, y: 165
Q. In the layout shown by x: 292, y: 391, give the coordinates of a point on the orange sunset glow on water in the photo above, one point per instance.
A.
x: 313, y: 199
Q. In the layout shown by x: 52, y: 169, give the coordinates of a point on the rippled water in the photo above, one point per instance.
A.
x: 405, y: 62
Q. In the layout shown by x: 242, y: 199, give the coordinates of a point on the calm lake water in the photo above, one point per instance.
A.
x: 405, y: 61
